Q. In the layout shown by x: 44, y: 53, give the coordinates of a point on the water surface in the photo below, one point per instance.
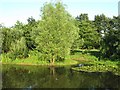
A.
x: 55, y: 77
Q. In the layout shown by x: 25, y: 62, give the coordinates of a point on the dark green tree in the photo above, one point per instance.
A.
x: 88, y: 36
x: 17, y: 45
x: 101, y: 23
x: 6, y: 39
x: 27, y: 33
x: 111, y: 40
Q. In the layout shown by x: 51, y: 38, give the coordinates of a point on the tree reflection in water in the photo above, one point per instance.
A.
x: 55, y: 77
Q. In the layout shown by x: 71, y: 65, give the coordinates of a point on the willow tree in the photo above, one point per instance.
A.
x: 55, y: 33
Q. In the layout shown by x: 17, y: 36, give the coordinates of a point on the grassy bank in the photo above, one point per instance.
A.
x: 89, y: 58
x: 91, y: 62
x: 33, y: 60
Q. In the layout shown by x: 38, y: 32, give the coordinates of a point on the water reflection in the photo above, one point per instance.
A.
x: 55, y: 77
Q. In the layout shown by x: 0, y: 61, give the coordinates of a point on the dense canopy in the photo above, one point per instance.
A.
x: 57, y: 33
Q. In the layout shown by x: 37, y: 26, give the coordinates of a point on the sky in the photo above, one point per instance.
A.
x: 13, y: 10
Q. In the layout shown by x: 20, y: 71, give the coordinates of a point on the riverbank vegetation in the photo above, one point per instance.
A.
x: 89, y: 62
x: 60, y: 39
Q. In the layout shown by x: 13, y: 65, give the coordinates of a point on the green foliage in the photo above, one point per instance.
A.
x: 88, y: 36
x: 111, y: 40
x: 6, y: 39
x: 19, y: 49
x: 30, y: 42
x: 98, y: 68
x: 56, y: 32
x: 33, y: 60
x: 92, y: 64
x: 102, y: 24
x: 1, y: 39
x: 5, y: 58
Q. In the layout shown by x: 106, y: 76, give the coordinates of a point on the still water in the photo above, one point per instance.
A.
x: 55, y: 77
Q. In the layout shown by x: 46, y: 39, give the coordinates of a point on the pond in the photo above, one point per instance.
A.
x: 55, y: 77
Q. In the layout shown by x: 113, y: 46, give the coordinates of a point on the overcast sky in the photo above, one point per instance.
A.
x: 13, y: 10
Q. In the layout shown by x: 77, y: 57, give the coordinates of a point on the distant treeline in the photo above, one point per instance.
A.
x: 52, y: 37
